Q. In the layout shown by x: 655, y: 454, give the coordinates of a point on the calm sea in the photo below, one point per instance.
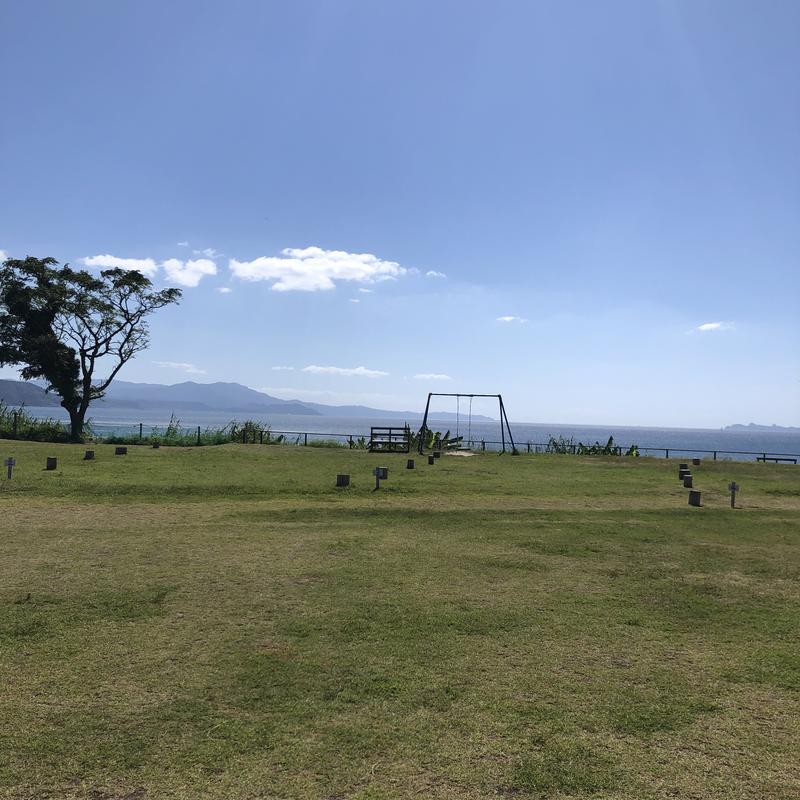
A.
x: 679, y: 441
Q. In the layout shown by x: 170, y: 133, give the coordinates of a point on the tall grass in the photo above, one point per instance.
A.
x: 16, y: 423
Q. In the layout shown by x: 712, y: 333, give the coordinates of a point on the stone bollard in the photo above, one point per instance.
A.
x: 51, y: 463
x: 683, y: 473
x: 687, y: 481
x: 410, y: 463
x: 683, y: 466
x: 695, y: 462
x: 342, y: 481
x: 694, y: 498
x: 431, y: 460
x: 88, y: 455
x: 120, y: 451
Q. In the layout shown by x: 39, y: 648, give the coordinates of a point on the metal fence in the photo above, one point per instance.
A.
x: 308, y: 438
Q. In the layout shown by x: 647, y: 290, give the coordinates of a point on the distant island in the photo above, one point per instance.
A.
x: 190, y: 396
x: 751, y: 426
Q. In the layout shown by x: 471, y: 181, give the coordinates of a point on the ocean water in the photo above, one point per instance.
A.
x: 737, y: 445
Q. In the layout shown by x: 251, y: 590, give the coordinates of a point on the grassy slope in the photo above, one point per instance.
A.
x: 221, y: 622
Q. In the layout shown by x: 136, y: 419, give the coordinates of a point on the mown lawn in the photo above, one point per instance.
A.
x: 224, y: 623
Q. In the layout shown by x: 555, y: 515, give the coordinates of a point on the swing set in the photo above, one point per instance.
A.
x: 504, y: 426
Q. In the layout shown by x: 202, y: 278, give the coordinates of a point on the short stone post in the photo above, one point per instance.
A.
x: 687, y: 481
x: 695, y: 462
x: 342, y: 481
x: 51, y: 463
x: 120, y: 451
x: 694, y: 498
x: 431, y: 461
x: 88, y: 455
x: 410, y: 463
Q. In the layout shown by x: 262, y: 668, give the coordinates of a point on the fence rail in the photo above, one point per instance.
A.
x: 528, y: 447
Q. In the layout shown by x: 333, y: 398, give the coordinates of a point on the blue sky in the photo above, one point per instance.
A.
x: 593, y: 208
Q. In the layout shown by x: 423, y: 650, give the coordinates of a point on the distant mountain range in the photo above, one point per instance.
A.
x: 751, y: 426
x: 191, y: 396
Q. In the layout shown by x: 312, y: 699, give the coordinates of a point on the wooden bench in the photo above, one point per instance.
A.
x: 776, y: 459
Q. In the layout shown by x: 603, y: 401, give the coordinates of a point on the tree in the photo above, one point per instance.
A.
x: 58, y: 323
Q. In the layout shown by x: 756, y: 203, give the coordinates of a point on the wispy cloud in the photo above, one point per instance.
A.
x: 346, y: 371
x: 224, y: 290
x: 181, y: 365
x: 147, y: 266
x: 715, y: 326
x: 182, y: 244
x: 432, y: 376
x: 282, y: 368
x: 3, y: 255
x: 313, y: 269
x: 354, y: 300
x: 511, y: 319
x: 365, y: 291
x: 432, y: 273
x: 189, y: 273
x: 208, y: 252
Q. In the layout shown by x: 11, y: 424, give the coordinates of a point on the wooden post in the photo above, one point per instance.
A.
x: 198, y: 436
x: 483, y: 446
x: 694, y: 498
x: 10, y: 463
x: 261, y: 437
x: 410, y: 463
x: 695, y: 462
x: 342, y: 481
x: 667, y: 453
x: 140, y: 431
x: 51, y: 463
x: 431, y: 460
x: 733, y: 487
x: 15, y: 434
x: 305, y: 437
x: 350, y: 441
x: 687, y: 481
x: 715, y: 455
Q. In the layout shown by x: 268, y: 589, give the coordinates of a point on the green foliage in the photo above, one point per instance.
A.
x: 432, y: 440
x: 564, y: 446
x: 16, y: 423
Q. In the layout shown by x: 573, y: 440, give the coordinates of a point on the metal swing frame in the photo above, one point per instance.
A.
x: 504, y: 425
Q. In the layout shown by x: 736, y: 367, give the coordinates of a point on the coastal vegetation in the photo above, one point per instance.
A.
x: 222, y: 622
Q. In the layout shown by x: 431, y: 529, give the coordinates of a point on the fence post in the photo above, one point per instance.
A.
x: 483, y: 445
x: 305, y: 439
x: 15, y: 426
x: 350, y: 441
x: 244, y: 436
x: 261, y: 437
x: 140, y: 431
x: 198, y: 436
x: 667, y: 453
x: 715, y: 455
x: 529, y: 447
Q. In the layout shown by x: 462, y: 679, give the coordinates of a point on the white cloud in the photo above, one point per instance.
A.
x: 145, y: 265
x: 182, y: 244
x: 432, y: 273
x: 348, y: 371
x: 715, y: 326
x: 181, y: 365
x: 432, y: 376
x: 188, y: 273
x: 312, y: 269
x: 511, y: 319
x: 3, y: 255
x: 354, y: 300
x: 224, y: 290
x: 209, y: 252
x: 282, y: 368
x: 365, y: 291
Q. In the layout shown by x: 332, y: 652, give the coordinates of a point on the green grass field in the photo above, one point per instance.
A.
x: 224, y: 623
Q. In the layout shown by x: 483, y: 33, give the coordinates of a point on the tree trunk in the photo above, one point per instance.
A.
x: 76, y: 416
